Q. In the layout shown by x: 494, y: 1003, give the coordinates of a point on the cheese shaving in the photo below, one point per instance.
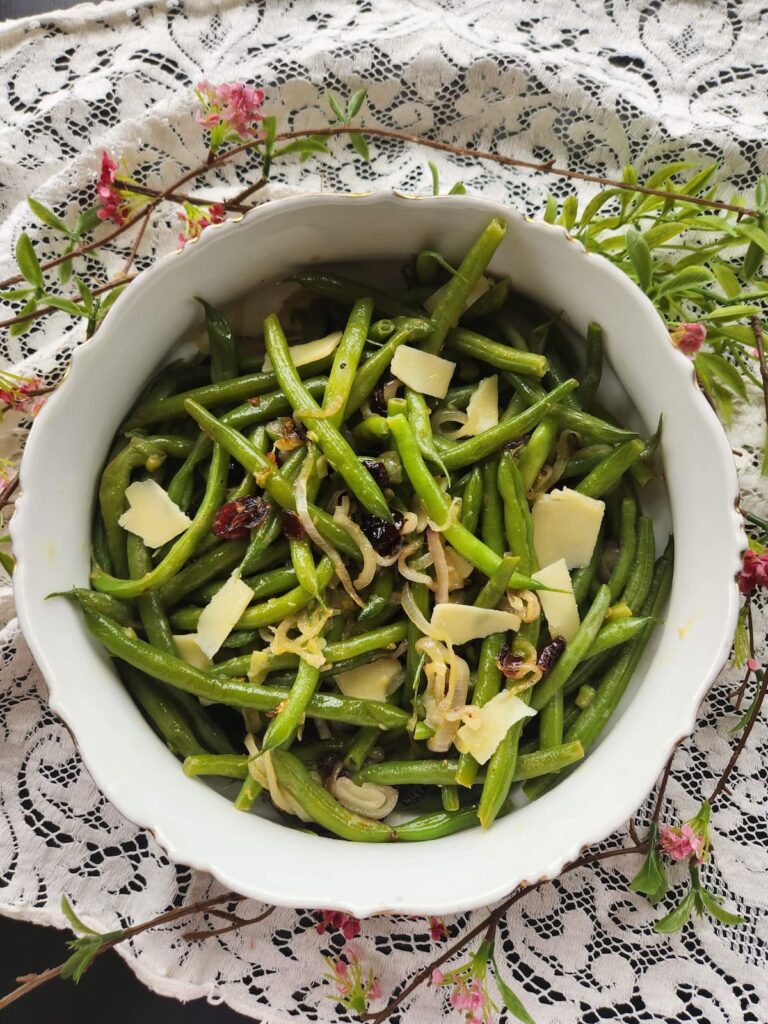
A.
x: 309, y: 351
x: 152, y: 515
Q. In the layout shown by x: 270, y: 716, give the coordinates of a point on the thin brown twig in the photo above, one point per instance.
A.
x: 32, y: 981
x: 248, y: 192
x: 136, y: 243
x: 723, y: 780
x: 239, y: 922
x: 663, y: 787
x: 757, y: 330
x: 45, y: 310
x: 183, y: 197
x: 8, y: 491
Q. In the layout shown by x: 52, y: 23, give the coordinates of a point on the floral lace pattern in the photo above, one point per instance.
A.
x: 591, y: 84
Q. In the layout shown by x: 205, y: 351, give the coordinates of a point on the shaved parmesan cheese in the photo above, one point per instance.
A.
x: 461, y: 623
x: 483, y: 408
x: 560, y: 609
x: 189, y: 651
x: 488, y: 726
x: 375, y: 681
x: 219, y: 617
x: 480, y: 288
x: 310, y: 351
x: 566, y: 525
x: 152, y: 515
x: 425, y: 373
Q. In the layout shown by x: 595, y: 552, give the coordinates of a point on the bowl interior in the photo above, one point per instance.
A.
x: 51, y: 537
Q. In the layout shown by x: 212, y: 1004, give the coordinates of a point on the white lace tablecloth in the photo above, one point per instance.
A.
x: 594, y: 84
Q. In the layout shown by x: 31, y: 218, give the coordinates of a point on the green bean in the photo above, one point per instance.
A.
x: 589, y: 668
x: 584, y: 461
x: 556, y: 374
x: 227, y: 766
x: 311, y: 753
x: 582, y: 579
x: 363, y: 744
x: 99, y: 551
x: 379, y: 595
x: 517, y: 516
x: 435, y: 825
x: 537, y: 450
x: 346, y: 361
x: 342, y: 289
x: 184, y: 547
x: 274, y: 609
x: 575, y: 652
x: 370, y: 431
x: 418, y: 414
x: 592, y: 428
x: 584, y: 697
x: 627, y: 546
x: 466, y: 453
x: 221, y: 559
x: 497, y: 583
x: 120, y: 611
x: 436, y: 772
x: 454, y: 295
x: 321, y: 806
x: 472, y: 500
x: 614, y: 634
x: 492, y: 523
x: 249, y: 793
x: 488, y: 303
x: 200, y: 577
x: 408, y: 329
x: 551, y: 722
x: 449, y: 796
x: 342, y: 651
x: 140, y: 451
x: 236, y: 693
x: 335, y: 448
x: 639, y: 581
x: 277, y: 484
x: 264, y: 584
x: 286, y: 721
x: 593, y: 719
x: 414, y: 660
x: 226, y: 392
x: 477, y: 346
x: 611, y: 469
x: 380, y: 330
x: 220, y: 343
x: 161, y: 710
x: 590, y: 381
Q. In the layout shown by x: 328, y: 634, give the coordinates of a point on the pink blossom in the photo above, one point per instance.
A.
x: 688, y: 337
x: 469, y: 991
x: 115, y: 203
x: 197, y: 218
x: 19, y: 393
x: 354, y: 982
x: 753, y: 664
x: 335, y: 921
x: 230, y: 111
x: 681, y: 843
x: 754, y: 573
x: 437, y: 976
x: 437, y: 929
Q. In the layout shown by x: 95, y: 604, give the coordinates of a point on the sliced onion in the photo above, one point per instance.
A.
x: 442, y: 416
x: 412, y: 611
x: 368, y: 571
x: 302, y: 511
x: 436, y: 549
x: 368, y: 800
x: 410, y: 524
x: 454, y: 511
x: 525, y: 604
x: 261, y: 770
x: 320, y: 414
x: 411, y: 572
x: 459, y: 569
x: 447, y: 687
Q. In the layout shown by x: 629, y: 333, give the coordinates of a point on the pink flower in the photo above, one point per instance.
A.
x: 437, y: 976
x: 753, y: 664
x: 681, y: 843
x: 469, y: 991
x: 19, y: 393
x: 437, y: 929
x: 116, y: 204
x: 754, y: 573
x: 197, y: 218
x: 335, y: 921
x: 688, y: 337
x: 230, y: 111
x: 354, y: 983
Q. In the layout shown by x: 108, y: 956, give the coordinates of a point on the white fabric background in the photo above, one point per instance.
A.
x: 594, y: 84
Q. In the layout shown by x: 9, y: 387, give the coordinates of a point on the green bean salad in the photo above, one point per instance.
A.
x: 385, y: 566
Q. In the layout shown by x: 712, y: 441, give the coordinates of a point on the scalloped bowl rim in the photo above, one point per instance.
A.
x: 364, y: 880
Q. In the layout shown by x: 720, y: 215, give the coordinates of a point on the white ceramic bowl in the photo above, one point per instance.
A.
x: 265, y: 859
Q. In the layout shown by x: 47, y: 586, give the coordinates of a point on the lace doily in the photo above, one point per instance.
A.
x: 592, y: 84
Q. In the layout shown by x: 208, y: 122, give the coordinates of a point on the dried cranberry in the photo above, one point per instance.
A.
x: 378, y: 471
x: 384, y: 536
x: 377, y: 401
x: 235, y: 518
x: 517, y: 442
x: 549, y: 654
x: 254, y: 401
x: 508, y: 662
x: 292, y: 527
x: 398, y: 518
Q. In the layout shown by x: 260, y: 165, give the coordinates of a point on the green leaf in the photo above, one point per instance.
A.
x: 87, y: 221
x: 16, y: 294
x: 269, y: 125
x: 569, y: 212
x: 761, y: 194
x: 550, y: 210
x: 663, y: 174
x: 336, y: 104
x: 27, y: 261
x: 106, y: 304
x: 457, y: 189
x: 510, y: 1000
x: 29, y: 307
x: 661, y: 233
x: 640, y: 257
x: 65, y: 271
x: 723, y: 403
x: 74, y: 920
x: 65, y: 305
x: 306, y: 147
x: 754, y: 234
x: 595, y: 204
x: 354, y: 102
x: 435, y: 174
x: 683, y: 280
x: 47, y: 216
x: 746, y: 718
x: 85, y: 294
x: 717, y: 910
x: 735, y: 312
x: 676, y: 918
x: 359, y: 145
x: 699, y: 181
x: 651, y: 880
x: 82, y: 958
x: 718, y: 368
x: 726, y: 279
x: 753, y: 260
